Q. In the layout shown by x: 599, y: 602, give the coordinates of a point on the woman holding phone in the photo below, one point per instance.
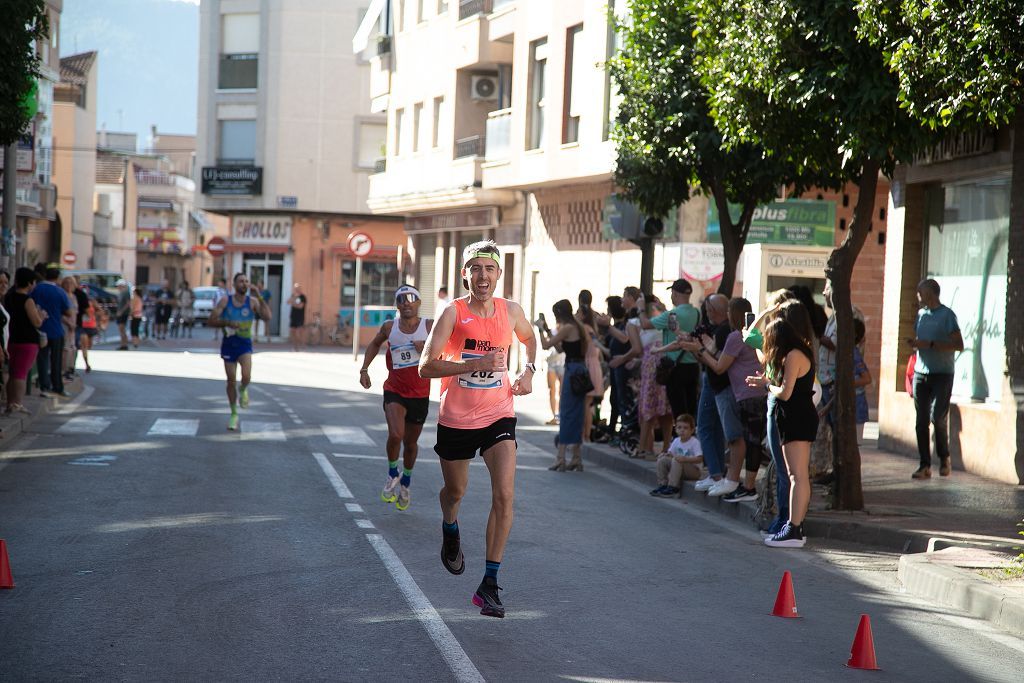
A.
x: 570, y: 338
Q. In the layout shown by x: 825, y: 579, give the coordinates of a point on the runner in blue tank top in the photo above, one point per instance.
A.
x: 237, y: 315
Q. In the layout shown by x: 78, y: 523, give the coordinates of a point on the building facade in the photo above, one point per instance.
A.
x: 956, y: 215
x: 286, y: 144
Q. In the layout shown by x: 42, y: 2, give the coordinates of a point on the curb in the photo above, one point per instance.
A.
x: 13, y: 425
x: 962, y: 589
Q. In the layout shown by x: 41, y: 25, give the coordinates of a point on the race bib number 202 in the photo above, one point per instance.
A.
x: 480, y: 379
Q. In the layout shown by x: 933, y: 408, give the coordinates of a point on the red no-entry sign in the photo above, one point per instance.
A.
x: 69, y: 258
x: 216, y: 246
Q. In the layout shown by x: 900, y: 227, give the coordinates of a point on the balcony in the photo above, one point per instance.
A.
x: 472, y: 146
x: 469, y: 8
x: 499, y: 135
x: 473, y: 45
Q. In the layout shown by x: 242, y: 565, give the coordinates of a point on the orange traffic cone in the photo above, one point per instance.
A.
x: 862, y: 654
x: 6, y: 580
x: 785, y: 603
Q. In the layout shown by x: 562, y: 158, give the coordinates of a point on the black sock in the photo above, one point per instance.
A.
x: 450, y: 529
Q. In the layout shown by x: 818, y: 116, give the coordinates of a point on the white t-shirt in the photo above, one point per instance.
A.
x: 439, y: 307
x: 690, y: 447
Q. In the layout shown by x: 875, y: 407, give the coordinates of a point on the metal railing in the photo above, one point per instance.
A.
x: 499, y: 134
x: 383, y: 45
x: 470, y: 147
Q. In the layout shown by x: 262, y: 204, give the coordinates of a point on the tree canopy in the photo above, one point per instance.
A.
x: 24, y: 21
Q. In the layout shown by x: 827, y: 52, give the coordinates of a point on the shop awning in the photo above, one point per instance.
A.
x: 370, y: 20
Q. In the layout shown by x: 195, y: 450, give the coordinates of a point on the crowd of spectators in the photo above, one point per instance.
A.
x: 712, y: 393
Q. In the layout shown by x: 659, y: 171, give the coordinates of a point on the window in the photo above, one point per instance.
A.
x: 536, y: 86
x: 442, y: 6
x: 968, y: 227
x: 237, y: 143
x: 239, y: 51
x: 417, y: 116
x: 399, y: 12
x: 612, y: 46
x: 573, y: 86
x: 378, y: 283
x: 421, y: 10
x: 372, y: 139
x: 435, y: 136
x: 399, y: 120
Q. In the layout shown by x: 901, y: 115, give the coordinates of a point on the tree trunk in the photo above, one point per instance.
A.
x: 734, y: 238
x: 1015, y: 288
x: 849, y: 494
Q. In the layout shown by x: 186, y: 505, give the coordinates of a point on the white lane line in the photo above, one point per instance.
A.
x: 298, y: 421
x: 84, y: 425
x: 266, y: 431
x: 168, y: 427
x: 353, y: 507
x: 472, y: 463
x: 353, y: 436
x: 332, y: 475
x: 73, y: 404
x: 456, y: 658
x: 364, y: 524
x: 200, y: 411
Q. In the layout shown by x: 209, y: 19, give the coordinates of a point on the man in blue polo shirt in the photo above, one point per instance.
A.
x: 937, y: 341
x: 49, y: 296
x: 682, y: 384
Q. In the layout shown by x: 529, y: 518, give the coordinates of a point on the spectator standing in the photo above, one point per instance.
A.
x: 681, y: 461
x: 49, y: 297
x: 937, y: 340
x: 297, y: 317
x: 222, y: 293
x: 164, y: 309
x: 685, y: 376
x: 23, y: 344
x: 5, y: 325
x: 861, y: 378
x: 81, y: 298
x: 555, y: 371
x: 595, y: 350
x: 69, y: 286
x: 709, y: 348
x: 789, y: 360
x: 653, y: 405
x: 186, y: 303
x: 124, y: 312
x: 571, y: 339
x: 138, y: 304
x: 266, y: 295
x: 442, y: 302
x: 617, y: 341
x: 90, y: 328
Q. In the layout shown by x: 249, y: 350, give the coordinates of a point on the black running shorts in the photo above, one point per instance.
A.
x: 462, y: 444
x: 415, y: 408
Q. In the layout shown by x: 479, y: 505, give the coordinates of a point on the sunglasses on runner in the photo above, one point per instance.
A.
x: 406, y: 298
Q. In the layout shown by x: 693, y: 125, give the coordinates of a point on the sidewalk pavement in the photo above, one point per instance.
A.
x: 951, y: 531
x: 14, y: 424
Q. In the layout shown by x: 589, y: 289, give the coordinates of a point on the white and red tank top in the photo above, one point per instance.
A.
x: 403, y: 362
x: 474, y: 400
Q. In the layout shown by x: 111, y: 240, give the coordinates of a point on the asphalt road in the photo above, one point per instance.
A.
x: 148, y: 543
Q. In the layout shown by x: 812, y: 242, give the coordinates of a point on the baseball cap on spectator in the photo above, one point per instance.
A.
x: 682, y: 286
x: 121, y: 283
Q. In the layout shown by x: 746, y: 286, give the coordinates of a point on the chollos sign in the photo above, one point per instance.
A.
x: 259, y: 230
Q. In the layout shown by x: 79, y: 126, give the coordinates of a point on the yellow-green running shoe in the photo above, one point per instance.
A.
x: 243, y: 397
x: 233, y: 422
x: 387, y: 494
x: 404, y: 498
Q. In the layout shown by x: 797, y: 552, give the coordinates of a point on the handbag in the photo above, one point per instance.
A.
x: 43, y: 341
x: 580, y: 383
x: 663, y: 372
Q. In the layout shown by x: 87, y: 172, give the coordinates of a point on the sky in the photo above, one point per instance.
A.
x: 148, y: 61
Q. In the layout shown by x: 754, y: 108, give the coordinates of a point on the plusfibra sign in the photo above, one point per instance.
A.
x: 797, y: 222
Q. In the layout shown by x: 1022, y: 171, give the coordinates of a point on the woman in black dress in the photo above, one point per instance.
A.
x: 789, y: 357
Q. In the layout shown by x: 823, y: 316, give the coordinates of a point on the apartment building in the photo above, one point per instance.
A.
x: 286, y: 145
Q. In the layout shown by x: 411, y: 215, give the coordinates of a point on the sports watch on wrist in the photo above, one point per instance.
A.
x: 532, y: 367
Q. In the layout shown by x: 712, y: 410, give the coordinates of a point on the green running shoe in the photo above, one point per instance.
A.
x: 243, y: 397
x: 233, y: 422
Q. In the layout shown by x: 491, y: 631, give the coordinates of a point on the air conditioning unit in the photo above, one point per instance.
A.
x: 483, y: 87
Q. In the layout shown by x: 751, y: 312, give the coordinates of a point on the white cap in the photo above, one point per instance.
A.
x: 407, y: 289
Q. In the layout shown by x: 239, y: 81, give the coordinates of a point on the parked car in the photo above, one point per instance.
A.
x: 206, y: 299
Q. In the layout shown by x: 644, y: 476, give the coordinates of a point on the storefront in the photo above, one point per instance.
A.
x: 260, y: 247
x: 950, y: 221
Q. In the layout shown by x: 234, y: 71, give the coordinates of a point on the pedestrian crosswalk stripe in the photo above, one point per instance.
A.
x: 350, y: 436
x: 84, y: 425
x: 264, y: 431
x: 169, y: 427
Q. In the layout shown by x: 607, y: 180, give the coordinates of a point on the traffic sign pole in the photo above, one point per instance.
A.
x: 358, y: 313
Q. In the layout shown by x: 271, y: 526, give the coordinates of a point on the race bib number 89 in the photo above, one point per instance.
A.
x: 480, y: 379
x: 404, y: 356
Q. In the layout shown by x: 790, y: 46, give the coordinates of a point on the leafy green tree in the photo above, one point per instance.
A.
x: 24, y: 21
x: 666, y: 140
x: 796, y: 77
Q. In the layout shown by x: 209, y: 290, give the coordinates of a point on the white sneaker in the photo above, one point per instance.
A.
x: 404, y: 498
x: 389, y: 493
x: 704, y: 484
x: 723, y: 487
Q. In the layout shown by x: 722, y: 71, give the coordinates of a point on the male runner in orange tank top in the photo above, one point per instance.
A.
x: 468, y: 349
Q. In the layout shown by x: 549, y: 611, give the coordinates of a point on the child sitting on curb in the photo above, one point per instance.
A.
x: 682, y: 459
